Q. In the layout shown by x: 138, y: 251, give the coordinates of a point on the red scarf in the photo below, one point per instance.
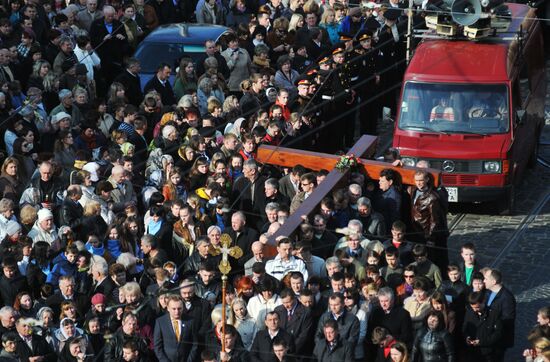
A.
x: 387, y: 349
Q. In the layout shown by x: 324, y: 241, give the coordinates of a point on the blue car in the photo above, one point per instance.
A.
x: 169, y: 43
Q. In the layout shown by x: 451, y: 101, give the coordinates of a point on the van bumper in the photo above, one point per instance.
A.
x: 482, y: 194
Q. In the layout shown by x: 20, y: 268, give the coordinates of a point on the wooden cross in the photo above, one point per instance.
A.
x: 289, y: 157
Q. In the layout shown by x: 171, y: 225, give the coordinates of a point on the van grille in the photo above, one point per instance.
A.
x: 461, y: 166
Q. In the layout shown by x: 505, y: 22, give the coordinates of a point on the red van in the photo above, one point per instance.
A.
x: 475, y: 109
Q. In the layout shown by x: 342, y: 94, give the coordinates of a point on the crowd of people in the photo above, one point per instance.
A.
x: 114, y: 199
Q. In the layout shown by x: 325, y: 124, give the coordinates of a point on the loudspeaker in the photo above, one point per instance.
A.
x: 466, y: 12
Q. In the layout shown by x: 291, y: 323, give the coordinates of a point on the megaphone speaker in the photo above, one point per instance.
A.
x: 466, y: 12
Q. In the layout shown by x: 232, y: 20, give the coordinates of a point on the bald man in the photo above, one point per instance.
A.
x: 123, y: 193
x: 257, y: 257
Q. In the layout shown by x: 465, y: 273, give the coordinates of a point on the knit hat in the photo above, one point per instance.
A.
x: 44, y: 214
x: 98, y: 299
x: 59, y: 116
x: 12, y: 227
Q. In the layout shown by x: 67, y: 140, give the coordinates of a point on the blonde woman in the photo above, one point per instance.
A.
x: 329, y: 23
x: 245, y: 324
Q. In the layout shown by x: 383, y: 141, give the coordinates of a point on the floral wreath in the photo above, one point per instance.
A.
x: 346, y: 162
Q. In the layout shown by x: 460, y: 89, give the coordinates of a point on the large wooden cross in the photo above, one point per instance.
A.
x: 289, y: 157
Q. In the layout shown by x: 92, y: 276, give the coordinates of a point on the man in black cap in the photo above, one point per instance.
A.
x: 368, y: 65
x: 392, y: 47
x: 341, y: 96
x: 302, y: 84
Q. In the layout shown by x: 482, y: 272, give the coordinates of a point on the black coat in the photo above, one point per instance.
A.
x: 348, y: 328
x: 113, y: 348
x: 504, y: 305
x: 262, y: 347
x: 71, y: 215
x: 166, y: 92
x: 199, y: 313
x: 242, y: 195
x: 438, y: 346
x: 9, y: 288
x: 341, y: 352
x: 132, y: 86
x: 112, y: 51
x: 397, y: 322
x: 299, y: 326
x: 488, y: 329
x: 244, y: 241
x: 222, y: 65
x: 39, y: 348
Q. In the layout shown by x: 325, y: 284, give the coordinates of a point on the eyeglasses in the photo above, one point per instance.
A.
x: 408, y: 276
x: 348, y: 297
x: 303, y: 184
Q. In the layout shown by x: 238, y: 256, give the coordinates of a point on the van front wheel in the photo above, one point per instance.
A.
x: 507, y: 204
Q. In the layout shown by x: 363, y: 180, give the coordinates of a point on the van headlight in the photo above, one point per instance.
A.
x: 492, y: 167
x: 408, y: 161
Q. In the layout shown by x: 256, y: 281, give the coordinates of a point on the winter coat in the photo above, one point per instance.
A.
x: 433, y: 346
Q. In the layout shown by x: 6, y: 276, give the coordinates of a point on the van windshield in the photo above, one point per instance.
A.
x: 455, y: 108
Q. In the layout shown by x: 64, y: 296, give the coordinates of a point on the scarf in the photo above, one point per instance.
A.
x: 95, y: 251
x: 264, y: 63
x: 154, y: 227
x: 90, y: 141
x: 211, y: 10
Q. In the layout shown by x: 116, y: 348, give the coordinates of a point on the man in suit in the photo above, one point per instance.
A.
x: 110, y: 33
x: 195, y: 309
x: 242, y: 236
x: 129, y: 78
x: 249, y: 190
x: 123, y: 192
x: 263, y: 342
x: 71, y: 209
x: 296, y: 320
x: 348, y: 324
x: 501, y: 301
x: 160, y: 83
x: 174, y: 339
x: 31, y: 346
x: 332, y: 347
x: 289, y: 185
x: 102, y: 283
x: 67, y: 292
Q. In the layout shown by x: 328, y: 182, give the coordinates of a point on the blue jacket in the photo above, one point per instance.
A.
x: 61, y: 267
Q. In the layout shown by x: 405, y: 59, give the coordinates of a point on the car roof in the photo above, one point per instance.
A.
x: 186, y: 33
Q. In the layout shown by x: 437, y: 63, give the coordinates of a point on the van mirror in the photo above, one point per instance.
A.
x: 520, y: 115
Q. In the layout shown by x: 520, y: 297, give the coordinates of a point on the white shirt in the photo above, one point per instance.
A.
x: 89, y: 60
x: 279, y: 268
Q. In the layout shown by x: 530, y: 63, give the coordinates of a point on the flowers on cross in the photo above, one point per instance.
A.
x: 346, y: 162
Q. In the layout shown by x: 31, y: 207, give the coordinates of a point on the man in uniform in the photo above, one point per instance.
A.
x: 338, y: 92
x: 392, y: 47
x: 367, y: 63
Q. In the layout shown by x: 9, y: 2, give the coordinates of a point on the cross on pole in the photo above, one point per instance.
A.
x: 226, y: 250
